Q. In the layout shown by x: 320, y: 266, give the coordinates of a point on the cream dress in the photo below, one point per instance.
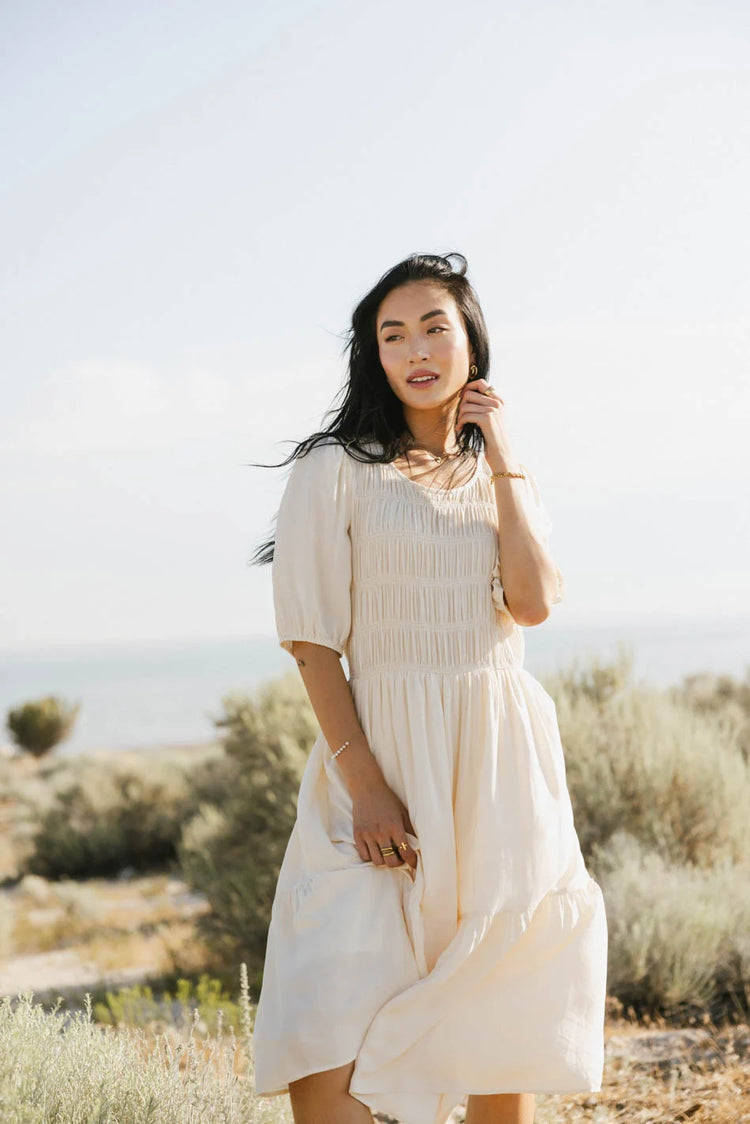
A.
x: 484, y: 971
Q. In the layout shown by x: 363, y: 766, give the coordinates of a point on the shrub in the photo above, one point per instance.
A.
x: 35, y: 796
x: 720, y: 694
x: 138, y: 1006
x: 64, y: 1067
x: 117, y: 813
x: 679, y: 936
x: 233, y: 854
x: 640, y: 759
x: 40, y: 725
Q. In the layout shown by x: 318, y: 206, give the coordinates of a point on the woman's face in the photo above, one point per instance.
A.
x: 421, y: 331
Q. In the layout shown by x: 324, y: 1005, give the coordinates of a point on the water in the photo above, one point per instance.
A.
x: 140, y: 696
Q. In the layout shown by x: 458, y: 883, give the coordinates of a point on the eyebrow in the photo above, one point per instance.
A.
x: 400, y: 323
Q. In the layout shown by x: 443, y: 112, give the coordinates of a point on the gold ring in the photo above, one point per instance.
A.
x: 387, y: 850
x: 403, y: 845
x: 489, y: 390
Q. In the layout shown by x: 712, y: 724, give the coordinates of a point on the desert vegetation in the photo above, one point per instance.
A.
x: 65, y: 1066
x: 660, y: 784
x: 169, y: 861
x: 38, y: 725
x: 145, y: 1062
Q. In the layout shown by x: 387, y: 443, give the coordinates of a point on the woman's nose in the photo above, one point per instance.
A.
x: 418, y: 349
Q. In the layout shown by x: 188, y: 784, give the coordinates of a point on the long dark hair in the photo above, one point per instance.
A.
x: 370, y: 411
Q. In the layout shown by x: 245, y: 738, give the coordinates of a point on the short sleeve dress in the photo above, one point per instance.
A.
x: 484, y: 970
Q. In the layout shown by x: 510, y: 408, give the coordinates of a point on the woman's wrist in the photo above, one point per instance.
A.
x: 501, y: 460
x: 358, y: 766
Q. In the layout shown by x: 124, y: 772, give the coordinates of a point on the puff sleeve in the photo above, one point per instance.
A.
x: 312, y: 567
x: 541, y: 525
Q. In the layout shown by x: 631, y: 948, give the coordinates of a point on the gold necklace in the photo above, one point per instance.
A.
x: 437, y: 459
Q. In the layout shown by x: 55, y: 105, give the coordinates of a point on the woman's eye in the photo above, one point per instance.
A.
x: 434, y: 328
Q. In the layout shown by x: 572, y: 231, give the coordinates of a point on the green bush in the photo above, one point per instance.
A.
x: 38, y: 726
x: 115, y: 813
x: 138, y: 1006
x: 679, y: 936
x: 233, y: 853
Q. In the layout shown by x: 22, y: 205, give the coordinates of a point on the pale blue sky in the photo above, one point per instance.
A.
x: 193, y: 197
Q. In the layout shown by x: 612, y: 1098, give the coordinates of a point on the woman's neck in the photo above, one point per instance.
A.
x: 434, y: 434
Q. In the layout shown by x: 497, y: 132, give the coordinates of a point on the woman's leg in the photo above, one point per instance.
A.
x: 500, y: 1108
x: 324, y: 1098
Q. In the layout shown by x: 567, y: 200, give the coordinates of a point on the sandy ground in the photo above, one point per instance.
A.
x: 65, y: 937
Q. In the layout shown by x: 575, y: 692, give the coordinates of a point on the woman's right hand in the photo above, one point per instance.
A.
x: 381, y: 819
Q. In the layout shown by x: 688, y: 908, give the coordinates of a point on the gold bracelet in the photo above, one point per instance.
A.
x: 497, y: 475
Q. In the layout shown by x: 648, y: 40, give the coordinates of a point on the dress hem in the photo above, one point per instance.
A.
x: 300, y: 1076
x: 560, y: 1089
x: 459, y: 1093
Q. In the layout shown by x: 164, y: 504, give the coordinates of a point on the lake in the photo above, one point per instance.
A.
x: 140, y: 696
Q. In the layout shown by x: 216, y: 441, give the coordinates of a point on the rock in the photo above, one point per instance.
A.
x: 665, y: 1048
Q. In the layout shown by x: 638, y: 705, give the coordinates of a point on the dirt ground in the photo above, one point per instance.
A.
x: 65, y: 937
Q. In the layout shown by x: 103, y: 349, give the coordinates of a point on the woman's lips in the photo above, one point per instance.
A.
x: 419, y: 381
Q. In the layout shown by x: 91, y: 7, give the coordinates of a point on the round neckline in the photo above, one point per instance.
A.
x: 442, y: 491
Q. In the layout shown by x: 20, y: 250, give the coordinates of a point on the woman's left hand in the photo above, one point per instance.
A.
x: 486, y: 411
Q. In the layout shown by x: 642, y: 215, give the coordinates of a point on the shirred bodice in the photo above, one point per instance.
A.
x: 422, y: 567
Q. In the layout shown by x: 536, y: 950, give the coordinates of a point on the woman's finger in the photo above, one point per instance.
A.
x: 393, y: 858
x: 480, y: 386
x: 375, y: 854
x: 408, y: 854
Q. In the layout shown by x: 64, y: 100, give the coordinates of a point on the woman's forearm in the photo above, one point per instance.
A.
x: 529, y: 573
x: 331, y: 699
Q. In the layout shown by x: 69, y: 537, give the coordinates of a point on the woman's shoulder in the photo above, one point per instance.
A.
x: 323, y: 469
x: 335, y: 452
x: 327, y: 455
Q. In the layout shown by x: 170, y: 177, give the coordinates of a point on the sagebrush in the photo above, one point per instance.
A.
x: 62, y: 1066
x: 232, y: 852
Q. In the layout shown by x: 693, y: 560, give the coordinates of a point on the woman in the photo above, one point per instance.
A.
x: 435, y: 933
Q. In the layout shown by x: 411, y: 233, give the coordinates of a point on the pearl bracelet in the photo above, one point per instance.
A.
x: 338, y: 751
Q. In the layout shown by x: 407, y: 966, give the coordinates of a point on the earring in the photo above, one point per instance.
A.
x: 473, y: 371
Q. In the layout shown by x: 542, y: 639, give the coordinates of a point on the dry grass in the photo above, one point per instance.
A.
x: 663, y: 1076
x: 76, y: 909
x: 54, y: 1066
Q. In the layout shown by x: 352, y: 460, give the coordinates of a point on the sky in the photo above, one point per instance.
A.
x: 194, y: 197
